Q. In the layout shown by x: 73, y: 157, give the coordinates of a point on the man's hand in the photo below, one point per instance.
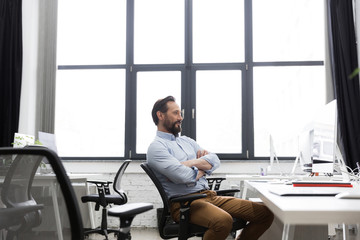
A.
x: 199, y: 162
x: 200, y: 153
x: 200, y: 174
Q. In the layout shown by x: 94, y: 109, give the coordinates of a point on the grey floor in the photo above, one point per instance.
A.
x: 140, y: 234
x: 152, y: 234
x: 136, y: 234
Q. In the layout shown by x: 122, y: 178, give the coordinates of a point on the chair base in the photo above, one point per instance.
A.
x: 104, y: 232
x: 126, y: 214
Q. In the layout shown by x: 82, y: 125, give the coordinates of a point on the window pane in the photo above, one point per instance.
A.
x: 90, y: 110
x: 219, y: 111
x: 91, y: 32
x: 159, y: 31
x: 285, y: 100
x: 218, y: 31
x: 152, y: 86
x: 288, y: 30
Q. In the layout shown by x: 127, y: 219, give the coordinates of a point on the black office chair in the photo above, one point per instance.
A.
x: 23, y: 191
x: 16, y: 192
x: 104, y: 198
x: 182, y: 230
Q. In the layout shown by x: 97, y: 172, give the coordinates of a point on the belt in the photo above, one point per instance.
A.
x: 197, y: 192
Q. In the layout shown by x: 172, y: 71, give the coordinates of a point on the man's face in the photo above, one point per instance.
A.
x: 173, y: 118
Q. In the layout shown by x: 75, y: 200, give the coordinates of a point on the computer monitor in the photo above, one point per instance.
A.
x: 317, y: 143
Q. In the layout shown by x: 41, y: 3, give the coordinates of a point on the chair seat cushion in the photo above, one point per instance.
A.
x: 130, y: 210
x: 112, y: 198
x: 239, y: 224
x: 172, y: 230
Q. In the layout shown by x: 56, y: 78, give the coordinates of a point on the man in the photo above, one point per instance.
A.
x: 181, y: 165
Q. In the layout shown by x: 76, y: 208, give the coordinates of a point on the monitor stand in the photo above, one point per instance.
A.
x: 295, y: 164
x: 274, y: 157
x: 343, y: 167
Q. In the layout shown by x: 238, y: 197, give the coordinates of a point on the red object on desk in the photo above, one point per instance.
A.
x: 323, y: 184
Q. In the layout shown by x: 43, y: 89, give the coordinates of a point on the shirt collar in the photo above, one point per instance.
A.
x: 165, y: 135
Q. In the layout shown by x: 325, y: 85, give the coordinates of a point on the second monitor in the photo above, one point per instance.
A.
x: 317, y: 143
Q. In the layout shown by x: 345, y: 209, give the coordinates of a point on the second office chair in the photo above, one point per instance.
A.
x: 104, y: 198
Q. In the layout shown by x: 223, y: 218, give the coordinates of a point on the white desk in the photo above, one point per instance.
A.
x: 243, y: 177
x: 50, y: 180
x: 272, y: 177
x: 308, y: 210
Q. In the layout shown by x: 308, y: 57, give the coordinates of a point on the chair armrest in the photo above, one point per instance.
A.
x: 103, y: 189
x: 227, y: 192
x: 216, y: 178
x: 99, y: 182
x: 188, y: 198
x: 102, y: 185
x: 215, y: 182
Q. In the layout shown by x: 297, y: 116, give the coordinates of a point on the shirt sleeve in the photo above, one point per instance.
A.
x: 211, y: 158
x: 163, y: 162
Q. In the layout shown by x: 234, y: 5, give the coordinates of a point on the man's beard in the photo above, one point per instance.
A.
x: 172, y: 127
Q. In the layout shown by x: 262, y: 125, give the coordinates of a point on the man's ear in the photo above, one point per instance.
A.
x: 160, y: 115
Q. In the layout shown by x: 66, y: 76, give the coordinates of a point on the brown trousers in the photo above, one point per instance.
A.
x: 217, y: 213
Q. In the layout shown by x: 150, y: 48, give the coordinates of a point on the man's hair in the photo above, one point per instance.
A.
x: 161, y: 105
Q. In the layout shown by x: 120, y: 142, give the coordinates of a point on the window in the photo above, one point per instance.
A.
x: 288, y: 30
x: 91, y: 32
x: 151, y: 86
x: 216, y: 110
x: 242, y: 70
x: 90, y: 109
x: 218, y: 39
x: 285, y: 99
x: 159, y: 31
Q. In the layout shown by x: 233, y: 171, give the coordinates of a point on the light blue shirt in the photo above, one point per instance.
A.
x: 164, y: 157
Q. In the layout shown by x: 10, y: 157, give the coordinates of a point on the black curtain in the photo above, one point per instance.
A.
x: 343, y: 52
x: 10, y: 68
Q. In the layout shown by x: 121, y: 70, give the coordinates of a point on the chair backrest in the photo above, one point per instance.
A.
x: 118, y: 177
x: 165, y: 214
x: 16, y: 189
x: 157, y: 183
x: 60, y: 212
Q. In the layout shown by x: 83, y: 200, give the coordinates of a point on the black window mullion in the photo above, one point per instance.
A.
x: 248, y: 113
x: 187, y: 85
x: 130, y: 101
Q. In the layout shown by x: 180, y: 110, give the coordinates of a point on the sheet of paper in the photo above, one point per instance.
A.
x: 48, y: 140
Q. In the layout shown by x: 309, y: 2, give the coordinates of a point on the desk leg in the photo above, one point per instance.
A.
x: 244, y: 192
x: 345, y: 231
x: 90, y: 207
x: 56, y: 210
x: 288, y: 232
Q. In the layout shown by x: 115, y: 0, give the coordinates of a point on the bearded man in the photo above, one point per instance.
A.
x: 181, y: 165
